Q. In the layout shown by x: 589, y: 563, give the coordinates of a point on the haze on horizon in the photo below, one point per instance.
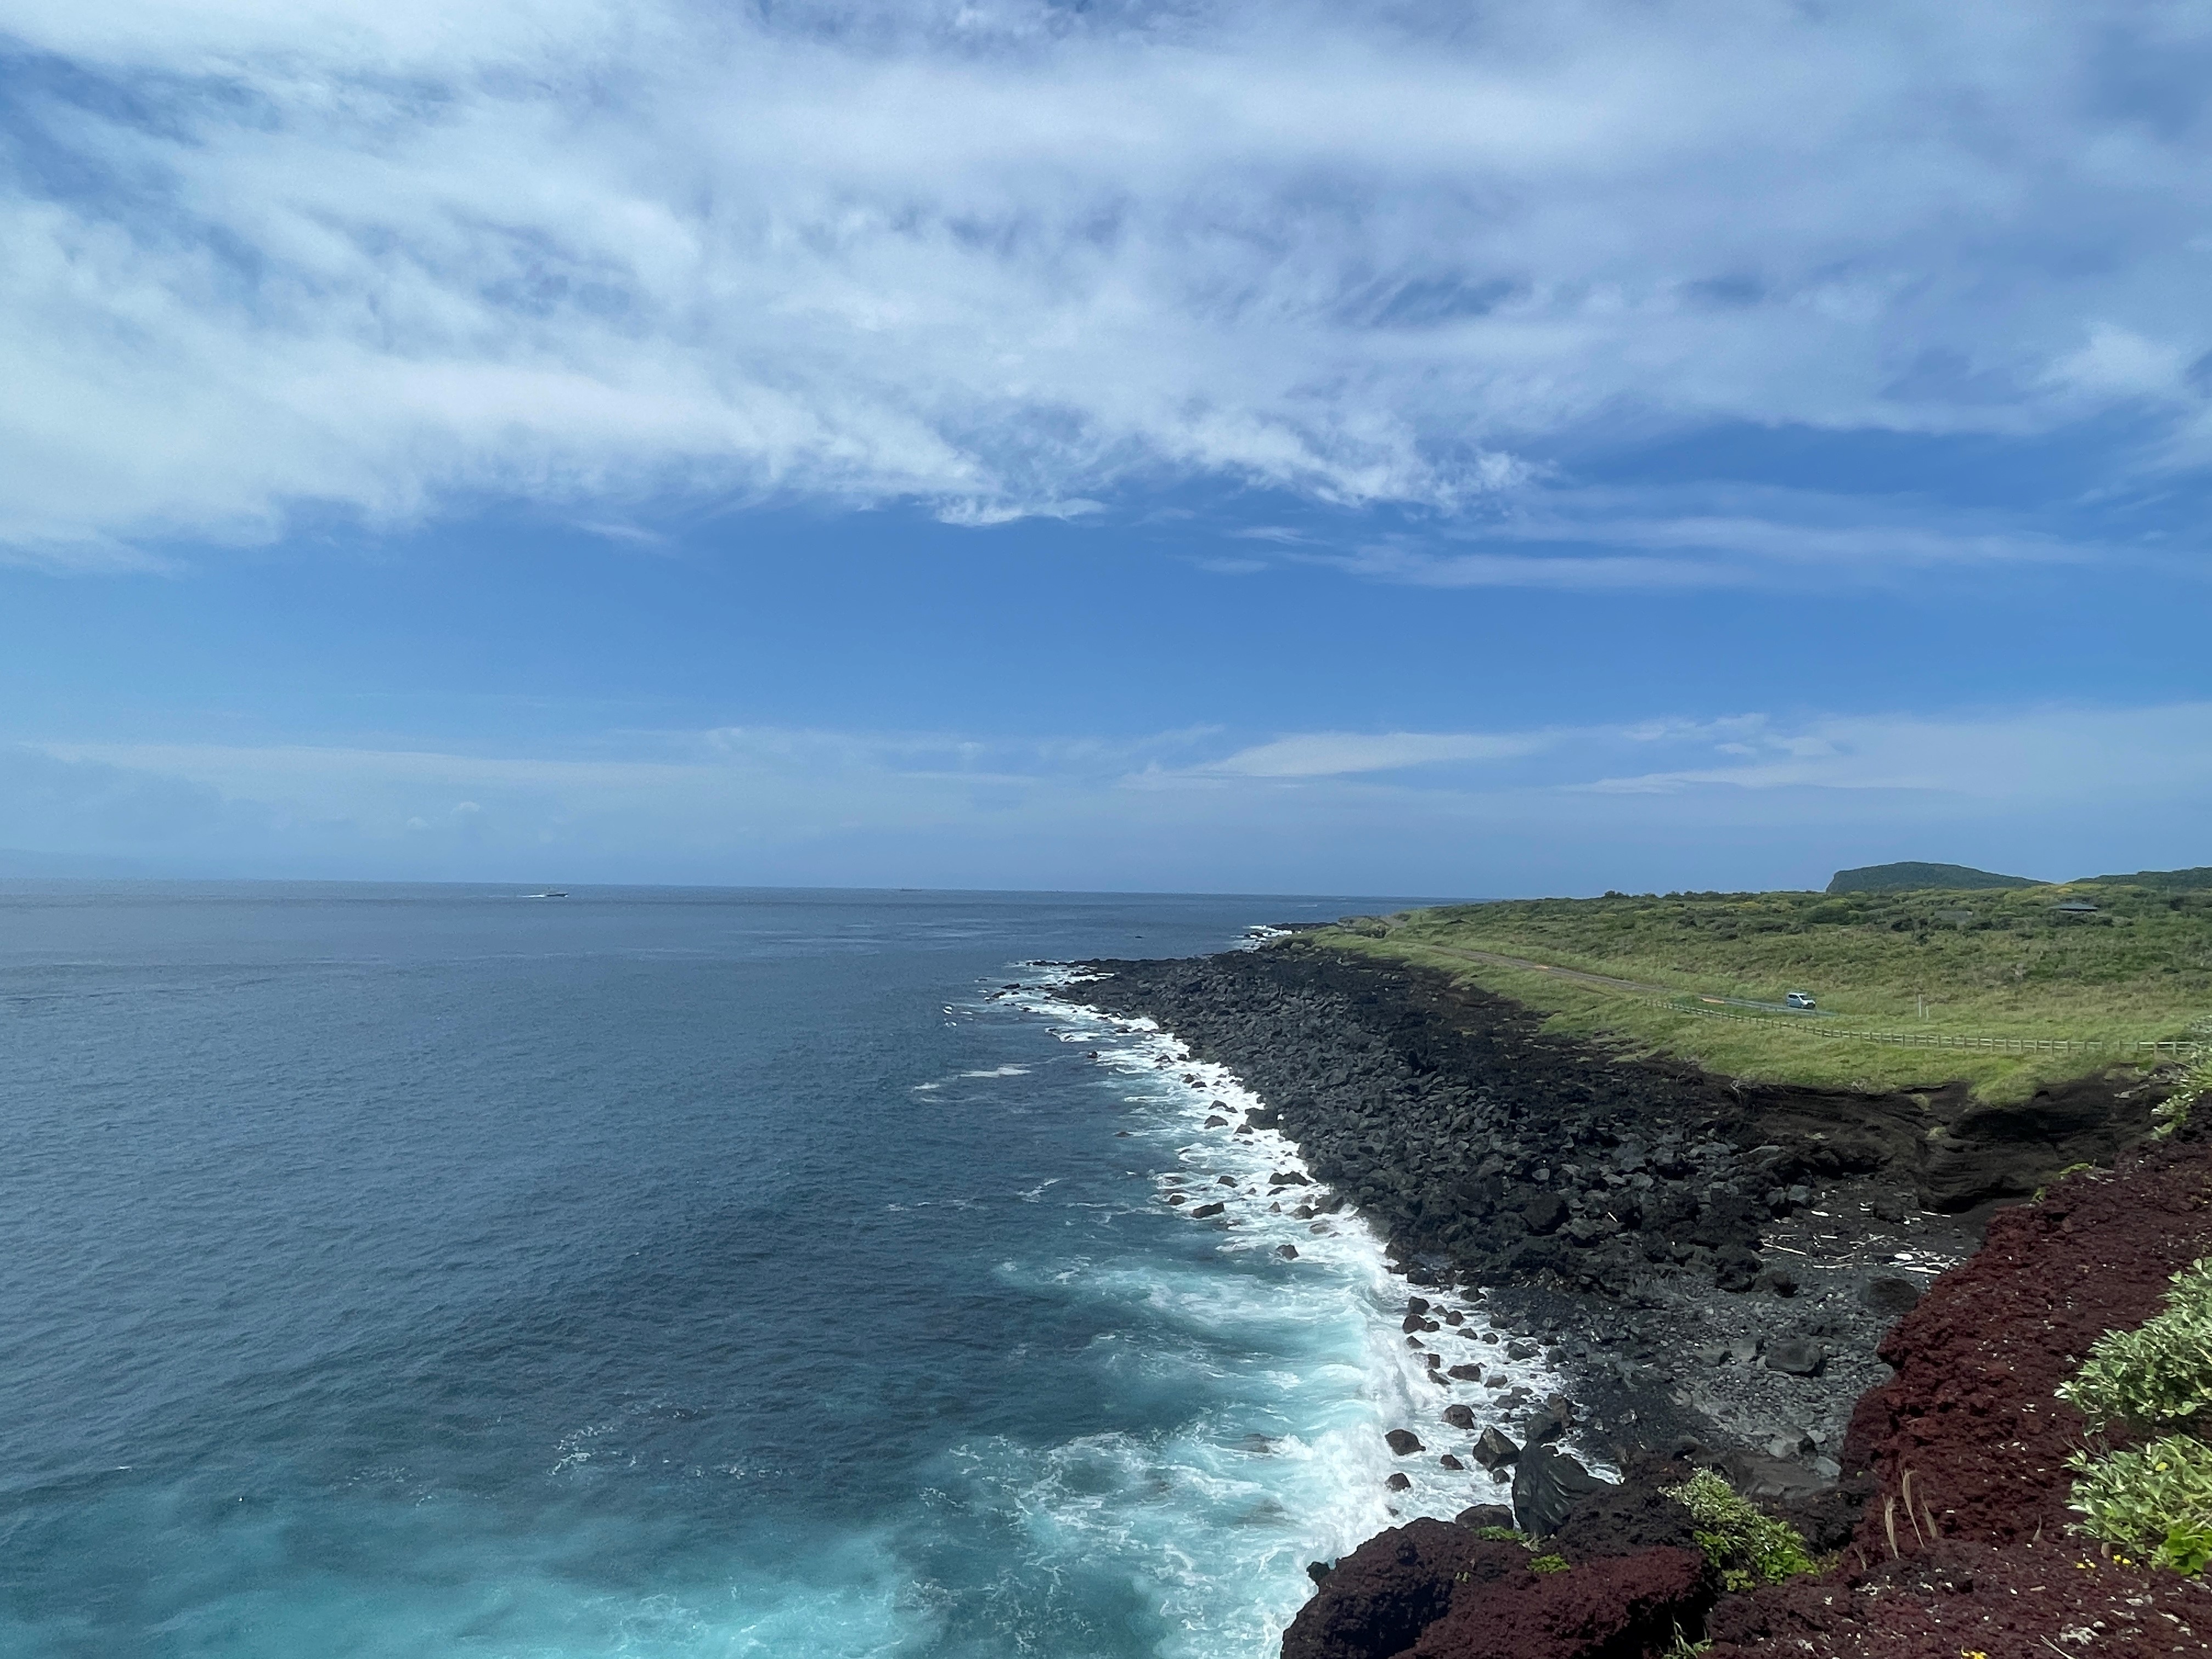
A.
x: 1463, y: 451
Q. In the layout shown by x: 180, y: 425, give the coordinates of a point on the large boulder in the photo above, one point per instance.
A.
x: 1891, y: 1293
x: 1799, y: 1356
x: 1493, y: 1450
x: 1545, y: 1213
x: 1548, y: 1484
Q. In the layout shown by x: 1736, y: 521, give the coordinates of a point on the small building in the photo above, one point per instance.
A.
x: 2075, y: 908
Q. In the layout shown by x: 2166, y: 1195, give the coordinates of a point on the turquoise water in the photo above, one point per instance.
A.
x: 434, y: 1272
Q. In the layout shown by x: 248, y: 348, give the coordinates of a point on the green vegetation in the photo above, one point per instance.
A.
x: 1548, y: 1563
x: 2156, y: 1501
x: 1909, y: 877
x: 2158, y: 881
x: 2173, y: 1111
x: 2129, y: 964
x: 2157, y: 1379
x: 1501, y: 1535
x: 1748, y: 1548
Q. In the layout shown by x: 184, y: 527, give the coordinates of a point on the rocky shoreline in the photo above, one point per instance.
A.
x: 1716, y: 1265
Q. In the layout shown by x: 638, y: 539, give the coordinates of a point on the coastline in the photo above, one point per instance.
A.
x: 1253, y: 1185
x: 1709, y: 1268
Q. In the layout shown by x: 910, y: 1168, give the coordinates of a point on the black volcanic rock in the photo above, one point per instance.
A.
x: 1493, y: 1450
x: 1891, y: 1293
x: 1547, y: 1485
x: 1545, y: 1213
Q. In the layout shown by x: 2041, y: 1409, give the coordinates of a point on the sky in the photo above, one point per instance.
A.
x: 1469, y: 451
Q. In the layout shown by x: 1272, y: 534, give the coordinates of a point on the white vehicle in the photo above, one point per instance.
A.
x: 1801, y: 1001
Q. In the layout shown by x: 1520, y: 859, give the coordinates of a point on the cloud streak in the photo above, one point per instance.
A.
x: 1344, y: 754
x: 1749, y: 799
x: 260, y: 260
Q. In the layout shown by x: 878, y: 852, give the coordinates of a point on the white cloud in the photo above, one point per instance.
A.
x: 1338, y: 754
x: 1004, y: 259
x: 2119, y: 362
x: 2026, y: 759
x: 1687, y: 538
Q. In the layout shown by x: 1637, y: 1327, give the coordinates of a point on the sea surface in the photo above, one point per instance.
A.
x: 441, y: 1271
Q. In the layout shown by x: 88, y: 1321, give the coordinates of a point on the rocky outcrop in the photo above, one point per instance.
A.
x: 1381, y: 1597
x: 1616, y: 1582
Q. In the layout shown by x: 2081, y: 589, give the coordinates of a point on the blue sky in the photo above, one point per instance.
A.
x: 1472, y: 450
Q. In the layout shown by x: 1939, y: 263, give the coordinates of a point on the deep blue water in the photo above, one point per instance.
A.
x: 433, y: 1271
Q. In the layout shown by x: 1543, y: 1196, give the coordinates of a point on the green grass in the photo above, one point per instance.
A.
x: 1989, y: 962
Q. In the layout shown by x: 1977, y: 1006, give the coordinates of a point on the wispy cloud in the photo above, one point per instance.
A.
x: 1748, y: 799
x: 2024, y: 758
x: 1685, y: 538
x: 1009, y: 257
x: 1340, y: 754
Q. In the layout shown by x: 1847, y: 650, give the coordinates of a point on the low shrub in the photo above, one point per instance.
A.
x: 2170, y: 1114
x: 2159, y: 1377
x: 1749, y: 1547
x: 2155, y: 1501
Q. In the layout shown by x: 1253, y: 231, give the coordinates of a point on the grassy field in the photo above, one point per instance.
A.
x: 2003, y: 964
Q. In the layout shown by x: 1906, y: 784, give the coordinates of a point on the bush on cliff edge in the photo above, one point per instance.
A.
x: 1749, y: 1547
x: 2155, y: 1499
x: 2172, y: 1114
x: 2157, y: 1379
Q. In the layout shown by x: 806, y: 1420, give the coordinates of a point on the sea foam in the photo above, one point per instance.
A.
x: 1301, y: 1361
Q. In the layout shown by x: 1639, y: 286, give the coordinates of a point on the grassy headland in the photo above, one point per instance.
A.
x: 1992, y: 963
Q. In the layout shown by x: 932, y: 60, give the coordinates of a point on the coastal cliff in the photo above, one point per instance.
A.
x: 1719, y: 1266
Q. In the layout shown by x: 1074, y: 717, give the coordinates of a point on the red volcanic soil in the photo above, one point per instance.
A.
x: 1431, y: 1590
x: 1964, y: 1547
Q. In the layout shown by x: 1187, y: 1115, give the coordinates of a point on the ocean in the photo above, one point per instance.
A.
x: 390, y: 1271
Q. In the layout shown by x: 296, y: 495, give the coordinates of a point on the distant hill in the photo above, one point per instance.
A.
x: 1904, y: 878
x: 2164, y: 881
